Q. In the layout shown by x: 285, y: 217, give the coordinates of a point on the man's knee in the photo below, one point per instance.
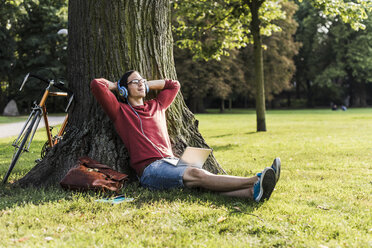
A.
x: 193, y: 177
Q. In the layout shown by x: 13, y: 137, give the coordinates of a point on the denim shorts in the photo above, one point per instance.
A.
x: 161, y: 175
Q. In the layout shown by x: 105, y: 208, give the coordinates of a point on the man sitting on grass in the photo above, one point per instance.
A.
x: 143, y: 129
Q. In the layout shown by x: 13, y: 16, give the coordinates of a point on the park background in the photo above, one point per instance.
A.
x: 323, y: 198
x: 310, y: 59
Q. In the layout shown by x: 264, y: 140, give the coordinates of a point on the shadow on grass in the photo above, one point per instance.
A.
x: 222, y: 135
x: 12, y: 197
x: 251, y: 133
x: 224, y: 147
x: 229, y: 134
x: 234, y: 206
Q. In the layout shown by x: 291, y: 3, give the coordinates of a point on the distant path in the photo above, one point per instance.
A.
x: 13, y: 129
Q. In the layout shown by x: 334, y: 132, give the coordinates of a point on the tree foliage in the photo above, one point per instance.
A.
x: 232, y: 24
x: 334, y: 63
x: 211, y: 28
x: 234, y: 74
x: 30, y: 28
x: 280, y: 49
x: 352, y: 12
x: 214, y: 79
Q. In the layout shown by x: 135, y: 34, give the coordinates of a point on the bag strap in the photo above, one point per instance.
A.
x: 105, y: 169
x: 90, y: 163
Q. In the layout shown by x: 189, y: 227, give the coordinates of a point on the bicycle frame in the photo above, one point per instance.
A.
x: 35, y: 111
x: 40, y: 109
x: 29, y: 129
x: 42, y: 105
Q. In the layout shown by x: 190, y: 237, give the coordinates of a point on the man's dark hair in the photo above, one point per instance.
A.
x: 123, y: 81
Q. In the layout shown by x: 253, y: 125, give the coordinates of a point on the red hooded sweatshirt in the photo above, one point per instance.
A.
x: 127, y: 123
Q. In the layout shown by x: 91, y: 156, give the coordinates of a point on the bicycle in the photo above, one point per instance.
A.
x: 29, y: 128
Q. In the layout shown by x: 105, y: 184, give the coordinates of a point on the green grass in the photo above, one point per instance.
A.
x: 22, y: 118
x: 10, y: 119
x: 323, y: 198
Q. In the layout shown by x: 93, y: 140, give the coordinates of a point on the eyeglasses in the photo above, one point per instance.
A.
x: 138, y: 81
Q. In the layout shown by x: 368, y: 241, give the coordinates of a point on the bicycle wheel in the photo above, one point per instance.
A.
x: 21, y: 146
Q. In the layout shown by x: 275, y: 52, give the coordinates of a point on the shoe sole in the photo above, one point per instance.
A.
x: 267, y: 184
x: 276, y: 165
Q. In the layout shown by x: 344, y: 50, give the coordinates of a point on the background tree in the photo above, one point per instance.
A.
x: 334, y: 63
x: 237, y: 70
x: 8, y: 14
x: 233, y: 24
x: 279, y: 66
x: 236, y: 23
x: 213, y: 79
x: 348, y: 75
x: 307, y: 61
x: 105, y: 43
x: 278, y: 56
x: 30, y: 29
x: 194, y: 76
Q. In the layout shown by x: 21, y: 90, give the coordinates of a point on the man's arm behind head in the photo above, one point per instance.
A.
x: 169, y: 93
x: 102, y: 91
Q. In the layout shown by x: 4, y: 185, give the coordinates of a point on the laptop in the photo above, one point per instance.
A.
x: 192, y: 156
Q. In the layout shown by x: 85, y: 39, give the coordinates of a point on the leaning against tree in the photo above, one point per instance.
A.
x: 142, y: 128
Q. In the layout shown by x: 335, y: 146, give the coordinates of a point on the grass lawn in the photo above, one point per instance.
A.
x: 10, y: 119
x: 323, y: 198
x: 22, y: 118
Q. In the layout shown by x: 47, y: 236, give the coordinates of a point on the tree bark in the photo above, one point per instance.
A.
x: 107, y: 38
x: 310, y: 100
x: 196, y: 104
x: 359, y: 97
x: 222, y: 106
x: 254, y: 6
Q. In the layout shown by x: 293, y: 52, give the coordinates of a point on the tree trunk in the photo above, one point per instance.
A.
x: 192, y: 103
x: 222, y: 106
x: 196, y: 104
x: 298, y: 95
x: 3, y: 99
x: 230, y: 104
x: 310, y: 102
x: 201, y: 107
x: 359, y: 95
x: 107, y: 38
x: 254, y: 6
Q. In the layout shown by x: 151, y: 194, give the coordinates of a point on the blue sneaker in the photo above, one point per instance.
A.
x: 265, y: 185
x: 276, y: 167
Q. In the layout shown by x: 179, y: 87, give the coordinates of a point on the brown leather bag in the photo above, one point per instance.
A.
x: 90, y: 174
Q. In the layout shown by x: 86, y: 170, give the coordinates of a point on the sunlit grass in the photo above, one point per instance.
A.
x: 21, y: 118
x: 323, y: 198
x: 10, y: 119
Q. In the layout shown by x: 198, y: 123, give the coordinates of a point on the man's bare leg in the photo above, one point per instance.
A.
x: 194, y: 177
